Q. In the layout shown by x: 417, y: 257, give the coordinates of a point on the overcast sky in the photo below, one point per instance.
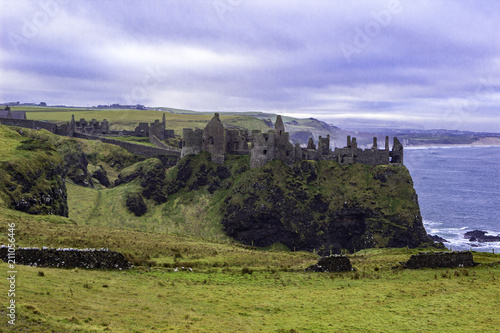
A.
x: 427, y: 64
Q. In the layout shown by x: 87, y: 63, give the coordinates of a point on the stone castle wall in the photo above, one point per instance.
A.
x: 28, y: 123
x: 214, y: 139
x: 135, y: 148
x: 263, y: 148
x: 191, y: 141
x: 237, y: 142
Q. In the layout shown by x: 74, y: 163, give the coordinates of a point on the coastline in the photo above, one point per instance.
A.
x: 479, y: 143
x: 482, y: 142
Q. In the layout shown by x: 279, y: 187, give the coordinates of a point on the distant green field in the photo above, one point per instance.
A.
x: 128, y: 119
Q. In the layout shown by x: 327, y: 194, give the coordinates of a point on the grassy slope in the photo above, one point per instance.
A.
x: 182, y: 214
x: 217, y: 296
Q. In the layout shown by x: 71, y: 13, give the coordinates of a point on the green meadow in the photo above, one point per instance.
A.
x: 235, y: 288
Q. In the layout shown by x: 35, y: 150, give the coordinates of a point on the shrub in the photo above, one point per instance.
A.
x: 246, y: 270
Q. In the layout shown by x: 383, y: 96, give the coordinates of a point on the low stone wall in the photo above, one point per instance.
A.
x: 67, y: 258
x: 440, y: 259
x: 135, y: 148
x: 27, y: 123
x: 333, y: 263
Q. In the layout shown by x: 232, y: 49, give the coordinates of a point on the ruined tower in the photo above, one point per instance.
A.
x: 263, y: 148
x: 397, y: 152
x: 214, y: 139
x: 191, y: 141
x: 9, y: 113
x: 72, y: 126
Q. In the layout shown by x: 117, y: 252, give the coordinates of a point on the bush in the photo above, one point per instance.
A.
x: 136, y: 204
x: 246, y: 270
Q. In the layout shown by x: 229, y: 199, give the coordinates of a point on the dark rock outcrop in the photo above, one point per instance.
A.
x: 75, y: 163
x: 333, y: 263
x: 136, y: 204
x: 67, y: 258
x: 153, y: 183
x: 440, y: 259
x: 101, y: 176
x: 481, y: 237
x: 438, y: 239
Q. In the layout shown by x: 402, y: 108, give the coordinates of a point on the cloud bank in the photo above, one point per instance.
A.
x: 428, y: 64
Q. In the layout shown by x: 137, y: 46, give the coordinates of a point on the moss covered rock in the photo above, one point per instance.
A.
x: 32, y: 176
x: 324, y: 206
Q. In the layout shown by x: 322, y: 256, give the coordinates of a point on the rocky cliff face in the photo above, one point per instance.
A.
x: 32, y: 178
x: 324, y: 206
x: 311, y: 206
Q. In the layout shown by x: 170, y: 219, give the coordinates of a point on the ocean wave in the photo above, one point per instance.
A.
x: 431, y: 223
x: 456, y: 240
x: 448, y: 147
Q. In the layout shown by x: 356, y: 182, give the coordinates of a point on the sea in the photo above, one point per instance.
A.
x: 458, y: 190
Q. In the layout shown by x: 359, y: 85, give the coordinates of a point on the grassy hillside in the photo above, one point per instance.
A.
x: 234, y: 288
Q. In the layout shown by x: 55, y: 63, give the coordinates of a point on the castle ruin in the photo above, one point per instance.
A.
x: 156, y: 129
x: 219, y: 141
x: 275, y: 144
x: 93, y: 130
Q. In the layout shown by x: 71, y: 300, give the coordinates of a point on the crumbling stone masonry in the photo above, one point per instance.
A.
x: 94, y: 130
x: 275, y: 144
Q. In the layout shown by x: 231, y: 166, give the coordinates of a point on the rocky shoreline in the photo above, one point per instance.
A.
x: 481, y: 236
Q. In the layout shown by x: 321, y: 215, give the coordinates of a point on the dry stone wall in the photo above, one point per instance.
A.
x: 333, y: 263
x: 440, y: 259
x: 135, y: 148
x: 67, y: 258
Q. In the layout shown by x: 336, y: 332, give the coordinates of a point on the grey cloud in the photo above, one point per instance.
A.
x: 283, y: 55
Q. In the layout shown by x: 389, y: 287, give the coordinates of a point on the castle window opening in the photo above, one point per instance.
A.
x: 211, y: 140
x: 264, y: 152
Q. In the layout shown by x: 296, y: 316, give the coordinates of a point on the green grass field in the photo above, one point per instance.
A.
x: 234, y: 288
